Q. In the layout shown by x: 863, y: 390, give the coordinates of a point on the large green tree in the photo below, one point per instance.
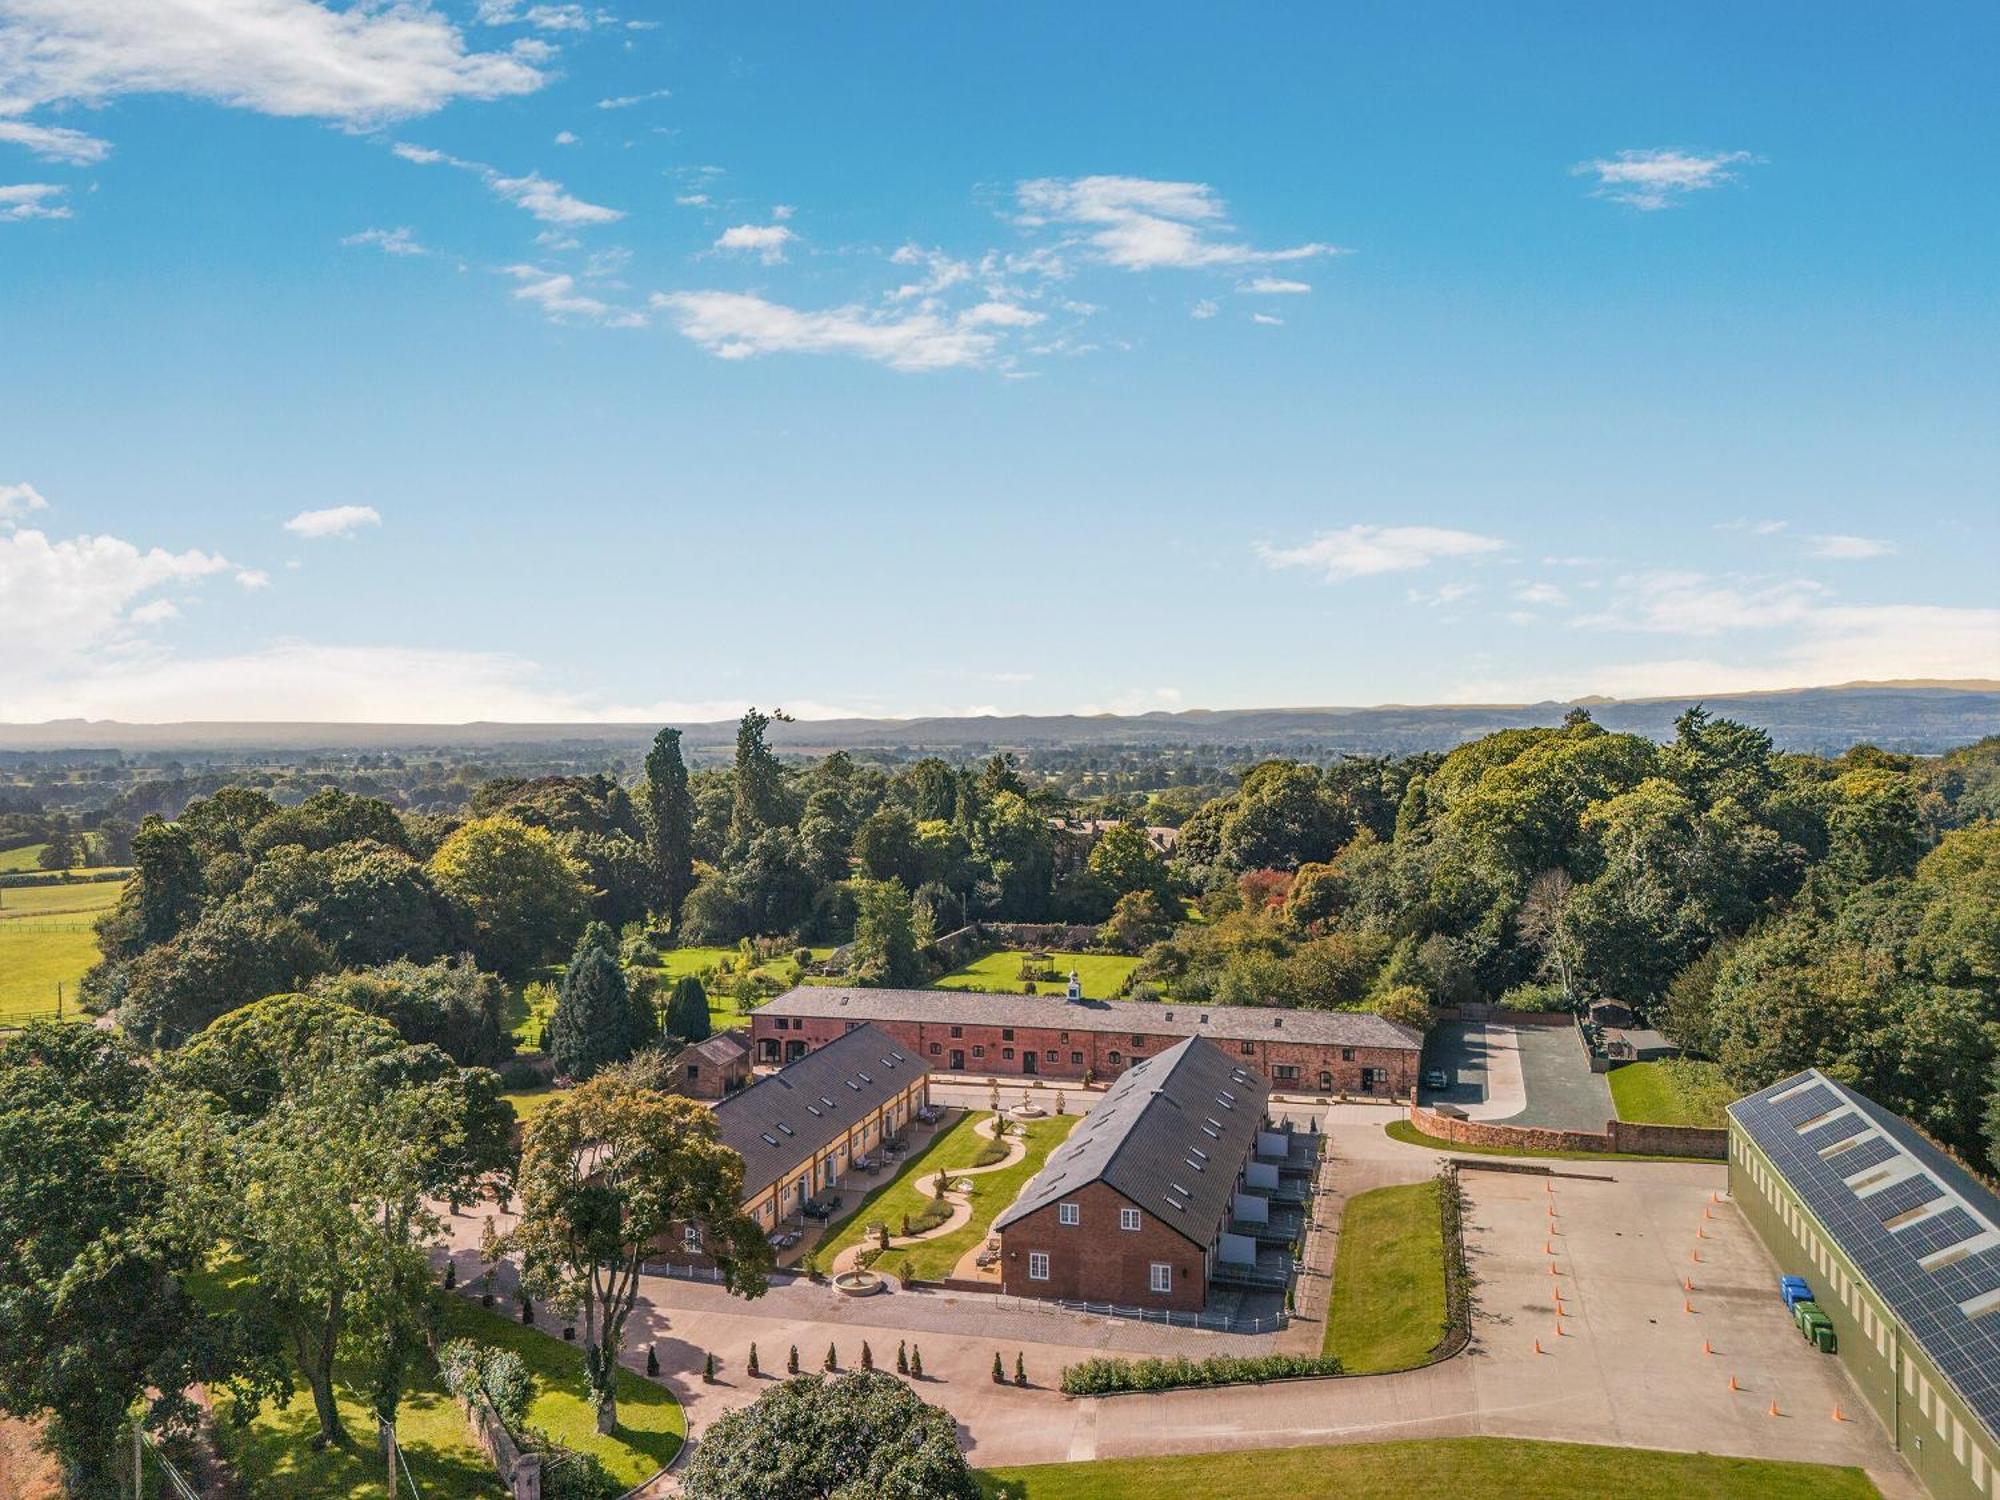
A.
x: 594, y: 1024
x: 863, y: 1436
x: 95, y: 1314
x: 885, y: 937
x: 762, y: 800
x: 525, y: 897
x: 669, y: 824
x: 608, y: 1170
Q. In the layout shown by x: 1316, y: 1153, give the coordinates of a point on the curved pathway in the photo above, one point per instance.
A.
x: 961, y: 1203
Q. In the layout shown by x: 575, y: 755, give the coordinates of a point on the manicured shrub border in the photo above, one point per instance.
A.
x: 1107, y: 1377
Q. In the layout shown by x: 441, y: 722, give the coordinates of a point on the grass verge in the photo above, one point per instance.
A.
x: 1465, y: 1466
x: 1388, y: 1309
x: 1100, y: 974
x: 1676, y: 1091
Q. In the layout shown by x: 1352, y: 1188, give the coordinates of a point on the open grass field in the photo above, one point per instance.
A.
x: 1388, y: 1308
x: 275, y: 1458
x: 27, y: 857
x: 909, y: 1191
x: 724, y: 1012
x: 1452, y: 1466
x: 1409, y: 1135
x: 48, y: 938
x: 1000, y: 973
x: 1678, y: 1091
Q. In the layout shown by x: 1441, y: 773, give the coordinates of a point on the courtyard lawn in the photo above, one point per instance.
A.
x: 1000, y: 973
x: 48, y: 937
x: 1465, y: 1466
x: 1388, y: 1308
x: 909, y: 1190
x: 275, y: 1457
x: 1409, y: 1135
x: 1677, y: 1091
x: 958, y: 1147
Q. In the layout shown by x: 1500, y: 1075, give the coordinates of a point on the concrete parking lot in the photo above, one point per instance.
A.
x: 1519, y: 1074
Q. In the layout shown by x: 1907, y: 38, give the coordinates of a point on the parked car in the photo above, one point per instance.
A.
x: 1436, y: 1078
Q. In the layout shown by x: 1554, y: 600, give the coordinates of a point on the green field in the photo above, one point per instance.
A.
x: 529, y: 1102
x: 27, y: 857
x: 48, y: 938
x: 1461, y: 1466
x: 275, y: 1458
x: 1678, y: 1091
x: 1101, y: 974
x: 1388, y: 1308
x: 931, y: 1260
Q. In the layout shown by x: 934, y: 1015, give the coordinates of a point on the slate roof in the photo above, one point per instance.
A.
x: 1921, y: 1228
x: 782, y: 1120
x: 1233, y: 1023
x: 1170, y: 1135
x: 724, y: 1048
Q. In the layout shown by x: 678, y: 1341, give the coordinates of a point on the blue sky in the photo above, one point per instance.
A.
x: 500, y: 360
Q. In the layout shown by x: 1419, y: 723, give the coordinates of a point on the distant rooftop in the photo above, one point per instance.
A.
x: 1170, y: 1136
x: 1341, y: 1028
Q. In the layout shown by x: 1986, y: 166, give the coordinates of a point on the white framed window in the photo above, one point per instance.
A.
x: 1128, y: 1218
x: 1161, y: 1278
x: 1038, y: 1266
x: 691, y: 1238
x: 1069, y: 1213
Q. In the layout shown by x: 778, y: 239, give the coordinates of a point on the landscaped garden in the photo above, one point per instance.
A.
x: 274, y: 1454
x: 912, y: 1192
x: 1388, y: 1309
x: 1676, y: 1091
x: 1101, y: 974
x: 1463, y: 1466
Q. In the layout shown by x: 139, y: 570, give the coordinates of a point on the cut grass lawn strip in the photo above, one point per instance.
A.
x: 1388, y: 1310
x: 1677, y: 1091
x: 1452, y: 1466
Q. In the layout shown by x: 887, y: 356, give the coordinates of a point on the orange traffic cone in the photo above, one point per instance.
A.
x: 1838, y: 1415
x: 1687, y: 1283
x: 1700, y: 1233
x: 1695, y: 1256
x: 1707, y: 1215
x: 1733, y: 1385
x: 1705, y: 1349
x: 1686, y: 1306
x: 1552, y: 1269
x: 1559, y: 1327
x: 1538, y: 1346
x: 1714, y: 1197
x: 1548, y: 1248
x: 1774, y: 1408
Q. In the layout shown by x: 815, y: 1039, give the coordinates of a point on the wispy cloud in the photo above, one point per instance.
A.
x: 1141, y: 224
x: 1363, y: 551
x: 16, y: 500
x: 1273, y: 286
x: 334, y: 521
x: 1672, y: 602
x: 1842, y: 548
x: 55, y: 142
x: 543, y: 197
x: 1269, y: 320
x: 1652, y: 180
x: 626, y: 101
x: 399, y: 241
x: 1753, y: 527
x: 735, y: 325
x: 32, y: 200
x: 558, y: 295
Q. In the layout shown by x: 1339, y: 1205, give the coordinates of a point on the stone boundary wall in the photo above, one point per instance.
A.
x: 520, y: 1472
x: 1622, y: 1136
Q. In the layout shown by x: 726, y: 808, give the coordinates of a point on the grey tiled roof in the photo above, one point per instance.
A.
x: 1234, y: 1023
x: 724, y: 1047
x: 781, y: 1121
x: 1170, y: 1135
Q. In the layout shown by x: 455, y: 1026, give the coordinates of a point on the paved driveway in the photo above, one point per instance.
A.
x: 1558, y: 1088
x: 1482, y: 1062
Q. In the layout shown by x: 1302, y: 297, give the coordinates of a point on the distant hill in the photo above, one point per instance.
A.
x: 1922, y: 717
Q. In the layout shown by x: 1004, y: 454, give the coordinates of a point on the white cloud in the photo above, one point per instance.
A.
x: 32, y: 200
x: 1268, y: 320
x: 547, y: 201
x: 766, y: 241
x: 1363, y: 551
x: 253, y: 578
x: 999, y: 315
x: 399, y: 241
x: 358, y: 64
x: 334, y: 521
x: 941, y: 272
x: 158, y: 612
x: 1652, y: 180
x: 1208, y: 307
x: 16, y: 500
x: 55, y: 142
x: 782, y: 211
x: 557, y: 294
x: 1667, y: 602
x: 1753, y: 527
x: 1274, y: 286
x: 1140, y: 224
x: 1137, y: 701
x: 692, y: 200
x: 1850, y: 548
x: 1540, y: 594
x: 70, y: 600
x: 566, y: 138
x: 734, y: 325
x: 626, y: 101
x: 543, y: 197
x: 1443, y: 594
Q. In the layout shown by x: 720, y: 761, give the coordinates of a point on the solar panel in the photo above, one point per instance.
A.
x: 1901, y: 1197
x: 1835, y: 1131
x: 1927, y: 1302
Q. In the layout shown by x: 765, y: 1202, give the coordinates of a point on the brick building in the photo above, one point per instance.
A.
x: 799, y: 1130
x: 1164, y: 1188
x: 711, y: 1069
x: 1053, y: 1036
